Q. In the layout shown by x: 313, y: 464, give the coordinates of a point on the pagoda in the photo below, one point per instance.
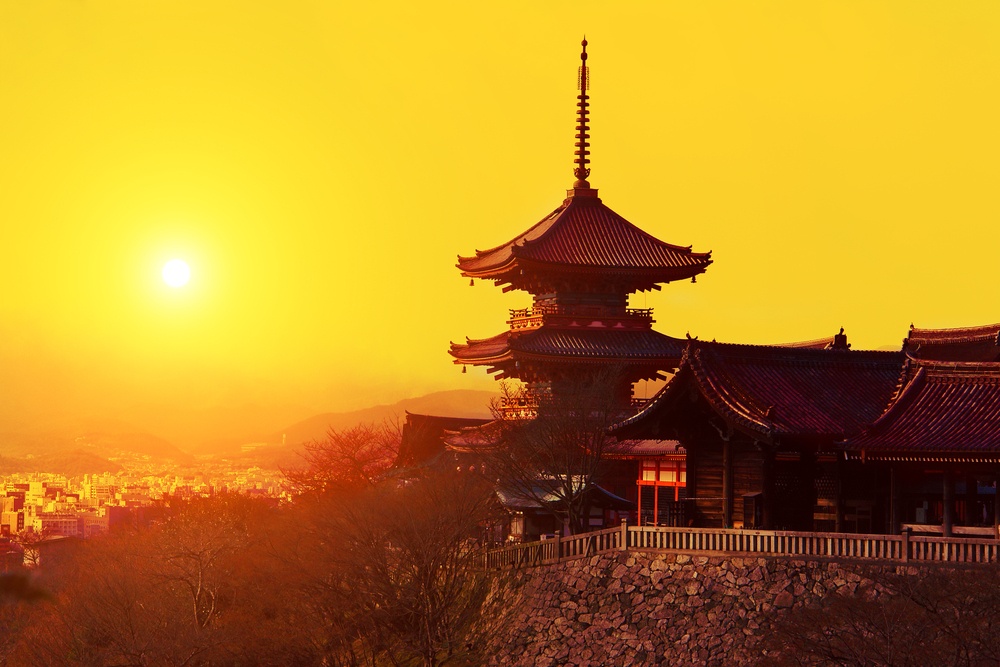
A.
x: 580, y: 263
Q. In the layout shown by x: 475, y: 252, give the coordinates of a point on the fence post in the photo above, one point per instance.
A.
x: 624, y: 537
x: 558, y: 547
x: 905, y: 545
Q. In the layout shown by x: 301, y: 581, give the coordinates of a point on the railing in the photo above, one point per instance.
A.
x: 899, y: 548
x: 580, y: 310
x: 529, y: 318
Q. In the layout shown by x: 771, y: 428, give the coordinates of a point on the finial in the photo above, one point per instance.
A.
x: 582, y: 145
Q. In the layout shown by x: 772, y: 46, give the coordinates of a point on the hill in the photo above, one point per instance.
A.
x: 69, y: 463
x: 455, y: 403
x: 76, y: 445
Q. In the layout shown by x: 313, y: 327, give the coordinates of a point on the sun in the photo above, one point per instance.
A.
x: 176, y: 273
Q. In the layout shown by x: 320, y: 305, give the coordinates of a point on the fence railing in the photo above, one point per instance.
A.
x: 904, y: 548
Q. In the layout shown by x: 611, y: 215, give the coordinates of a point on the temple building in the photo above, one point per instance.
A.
x: 935, y: 450
x: 758, y: 425
x: 837, y: 440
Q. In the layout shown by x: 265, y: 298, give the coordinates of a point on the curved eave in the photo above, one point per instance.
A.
x: 735, y: 409
x: 647, y: 414
x: 520, y: 270
x: 646, y: 348
x: 501, y: 255
x: 483, y: 351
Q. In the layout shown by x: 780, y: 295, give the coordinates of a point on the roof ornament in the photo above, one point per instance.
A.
x: 582, y: 128
x: 839, y: 341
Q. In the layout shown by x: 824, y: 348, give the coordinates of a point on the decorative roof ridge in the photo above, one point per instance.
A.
x: 940, y: 366
x: 953, y: 335
x: 799, y: 355
x: 812, y: 344
x: 837, y: 342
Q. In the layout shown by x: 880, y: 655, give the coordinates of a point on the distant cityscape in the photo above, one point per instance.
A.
x: 50, y: 504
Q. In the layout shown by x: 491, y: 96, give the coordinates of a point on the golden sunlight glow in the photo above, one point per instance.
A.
x: 319, y: 165
x: 176, y: 273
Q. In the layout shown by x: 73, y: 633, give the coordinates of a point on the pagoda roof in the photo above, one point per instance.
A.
x: 584, y: 235
x: 775, y: 393
x: 423, y: 436
x: 571, y: 344
x: 941, y: 410
x: 981, y: 343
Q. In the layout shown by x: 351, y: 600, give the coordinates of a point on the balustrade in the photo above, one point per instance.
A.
x: 710, y: 541
x: 602, y: 312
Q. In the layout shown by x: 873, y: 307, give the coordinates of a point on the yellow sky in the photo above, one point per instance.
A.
x: 321, y: 164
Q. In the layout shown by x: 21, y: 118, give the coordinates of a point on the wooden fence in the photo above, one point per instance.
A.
x: 904, y: 548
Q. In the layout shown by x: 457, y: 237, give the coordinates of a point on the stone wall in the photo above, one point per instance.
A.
x: 637, y: 608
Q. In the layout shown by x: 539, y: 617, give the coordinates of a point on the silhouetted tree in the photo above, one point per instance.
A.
x: 347, y: 460
x: 397, y: 568
x: 556, y: 456
x: 923, y: 617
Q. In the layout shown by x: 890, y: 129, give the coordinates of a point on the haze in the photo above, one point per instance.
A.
x: 320, y: 165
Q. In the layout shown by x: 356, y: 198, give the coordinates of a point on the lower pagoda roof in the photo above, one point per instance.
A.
x: 774, y: 393
x: 943, y: 411
x: 572, y: 345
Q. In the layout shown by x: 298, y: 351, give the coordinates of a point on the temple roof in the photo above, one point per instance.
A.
x: 941, y: 408
x: 980, y: 343
x: 638, y: 449
x: 775, y: 392
x: 548, y: 491
x: 580, y: 344
x: 584, y: 235
x: 423, y: 437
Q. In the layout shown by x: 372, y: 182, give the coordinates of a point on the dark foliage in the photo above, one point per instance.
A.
x: 922, y: 617
x: 356, y: 572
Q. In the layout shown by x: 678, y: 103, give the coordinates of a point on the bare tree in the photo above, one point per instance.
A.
x: 930, y: 616
x: 194, y: 554
x: 554, y: 457
x: 347, y: 460
x: 396, y: 569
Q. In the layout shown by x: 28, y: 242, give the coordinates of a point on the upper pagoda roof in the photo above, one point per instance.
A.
x: 941, y: 410
x: 577, y: 344
x: 585, y: 235
x: 980, y: 343
x: 775, y: 392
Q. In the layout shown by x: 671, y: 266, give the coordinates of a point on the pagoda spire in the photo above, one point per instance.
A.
x: 582, y: 171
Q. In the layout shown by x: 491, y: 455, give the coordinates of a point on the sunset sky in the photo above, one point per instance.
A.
x: 320, y: 165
